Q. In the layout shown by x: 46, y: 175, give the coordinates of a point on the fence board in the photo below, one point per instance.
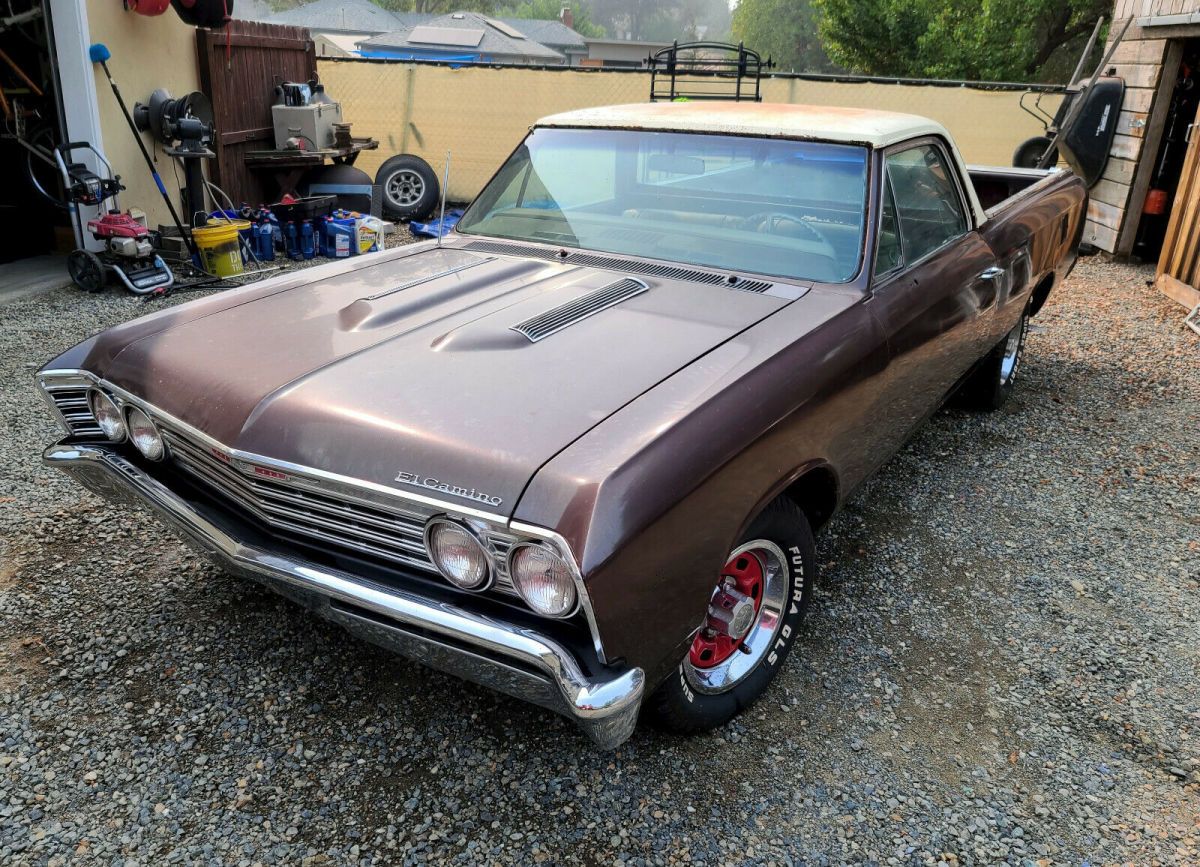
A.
x: 1180, y: 256
x: 241, y: 86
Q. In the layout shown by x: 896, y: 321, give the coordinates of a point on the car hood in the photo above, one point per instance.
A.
x: 407, y: 371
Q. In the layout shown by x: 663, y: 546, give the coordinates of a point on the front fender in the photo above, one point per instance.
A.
x: 652, y: 500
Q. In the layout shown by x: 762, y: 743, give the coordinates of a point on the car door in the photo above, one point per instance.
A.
x: 934, y: 286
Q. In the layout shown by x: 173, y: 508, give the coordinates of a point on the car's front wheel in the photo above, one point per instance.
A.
x: 752, y: 621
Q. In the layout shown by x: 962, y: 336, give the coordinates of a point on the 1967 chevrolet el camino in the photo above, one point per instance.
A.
x: 578, y: 451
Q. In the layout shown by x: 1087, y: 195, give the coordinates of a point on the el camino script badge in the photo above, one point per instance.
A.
x: 433, y: 484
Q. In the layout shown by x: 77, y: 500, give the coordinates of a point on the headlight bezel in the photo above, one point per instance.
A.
x: 476, y: 537
x: 96, y: 395
x: 130, y: 424
x: 568, y: 570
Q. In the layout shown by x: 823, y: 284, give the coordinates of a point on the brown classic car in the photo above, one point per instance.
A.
x: 578, y: 450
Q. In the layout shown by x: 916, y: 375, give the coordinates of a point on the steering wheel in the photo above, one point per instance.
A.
x: 769, y: 220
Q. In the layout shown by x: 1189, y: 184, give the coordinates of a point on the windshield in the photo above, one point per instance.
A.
x: 770, y: 206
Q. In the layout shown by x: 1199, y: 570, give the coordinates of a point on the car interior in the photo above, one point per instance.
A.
x: 793, y: 212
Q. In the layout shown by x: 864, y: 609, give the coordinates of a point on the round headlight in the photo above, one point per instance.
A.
x: 458, y: 554
x: 107, y: 415
x: 145, y: 436
x: 543, y: 579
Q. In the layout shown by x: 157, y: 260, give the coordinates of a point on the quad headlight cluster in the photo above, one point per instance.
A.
x: 129, y: 423
x: 539, y: 573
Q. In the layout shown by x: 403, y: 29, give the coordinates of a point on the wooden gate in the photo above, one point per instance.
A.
x: 239, y: 71
x: 1179, y: 263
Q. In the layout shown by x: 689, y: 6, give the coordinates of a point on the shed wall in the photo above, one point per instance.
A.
x: 148, y: 52
x: 1118, y: 198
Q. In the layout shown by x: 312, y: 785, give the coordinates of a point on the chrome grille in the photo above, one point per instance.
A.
x: 72, y: 403
x: 393, y: 534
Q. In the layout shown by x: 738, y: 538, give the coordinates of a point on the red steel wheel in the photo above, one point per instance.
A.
x: 712, y: 647
x: 753, y: 618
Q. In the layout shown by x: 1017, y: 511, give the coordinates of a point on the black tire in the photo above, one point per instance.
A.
x: 992, y: 382
x: 683, y: 703
x: 409, y: 188
x: 1028, y: 152
x: 87, y: 271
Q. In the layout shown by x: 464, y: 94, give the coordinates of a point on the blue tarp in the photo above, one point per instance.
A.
x: 435, y: 227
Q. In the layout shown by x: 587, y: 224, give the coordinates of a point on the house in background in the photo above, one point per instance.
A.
x: 349, y: 28
x: 464, y: 37
x: 554, y: 34
x: 335, y: 25
x: 619, y: 53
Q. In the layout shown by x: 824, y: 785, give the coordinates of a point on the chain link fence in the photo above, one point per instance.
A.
x: 480, y: 113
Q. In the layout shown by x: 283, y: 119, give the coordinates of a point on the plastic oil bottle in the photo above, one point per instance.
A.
x: 307, y: 241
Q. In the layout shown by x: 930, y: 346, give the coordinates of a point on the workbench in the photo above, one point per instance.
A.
x: 286, y: 166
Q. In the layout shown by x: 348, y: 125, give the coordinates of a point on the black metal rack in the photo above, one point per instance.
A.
x: 706, y: 70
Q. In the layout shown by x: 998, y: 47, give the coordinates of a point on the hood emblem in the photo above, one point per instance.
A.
x: 418, y: 480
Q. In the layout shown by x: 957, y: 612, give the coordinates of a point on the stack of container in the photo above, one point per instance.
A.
x: 303, y: 228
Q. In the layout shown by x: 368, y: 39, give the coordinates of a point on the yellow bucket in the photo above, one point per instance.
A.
x: 218, y: 245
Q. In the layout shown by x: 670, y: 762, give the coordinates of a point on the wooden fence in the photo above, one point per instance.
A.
x: 239, y: 71
x: 1179, y: 262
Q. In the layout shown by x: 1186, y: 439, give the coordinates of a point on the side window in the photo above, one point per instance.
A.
x: 927, y: 200
x: 888, y: 255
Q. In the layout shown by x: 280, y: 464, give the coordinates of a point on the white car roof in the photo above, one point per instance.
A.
x: 809, y: 122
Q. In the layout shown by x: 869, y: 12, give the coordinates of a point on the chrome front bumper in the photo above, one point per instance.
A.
x: 513, y: 660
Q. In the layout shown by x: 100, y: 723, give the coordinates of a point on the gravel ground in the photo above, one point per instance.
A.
x: 1000, y: 665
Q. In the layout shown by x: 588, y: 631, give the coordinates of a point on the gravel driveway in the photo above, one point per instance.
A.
x: 1000, y: 666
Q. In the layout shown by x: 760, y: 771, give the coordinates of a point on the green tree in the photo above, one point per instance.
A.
x: 785, y: 30
x: 659, y: 21
x: 551, y: 9
x: 1014, y: 40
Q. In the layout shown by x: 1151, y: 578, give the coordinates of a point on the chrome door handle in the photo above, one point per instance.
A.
x: 991, y: 273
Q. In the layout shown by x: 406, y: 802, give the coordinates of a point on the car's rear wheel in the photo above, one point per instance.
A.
x: 992, y: 382
x: 752, y: 621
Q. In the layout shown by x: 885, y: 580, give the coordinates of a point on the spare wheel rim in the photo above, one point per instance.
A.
x: 405, y: 188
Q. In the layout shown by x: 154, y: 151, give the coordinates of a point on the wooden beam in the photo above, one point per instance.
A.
x: 242, y: 135
x: 1110, y: 193
x: 1126, y: 147
x: 1131, y: 123
x: 1183, y: 219
x: 1102, y: 236
x: 243, y: 40
x: 1140, y: 51
x: 1177, y: 290
x: 1139, y: 74
x: 1104, y: 214
x: 1119, y: 171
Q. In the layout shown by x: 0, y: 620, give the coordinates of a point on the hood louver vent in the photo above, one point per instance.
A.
x: 514, y: 250
x: 612, y: 263
x: 557, y: 318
